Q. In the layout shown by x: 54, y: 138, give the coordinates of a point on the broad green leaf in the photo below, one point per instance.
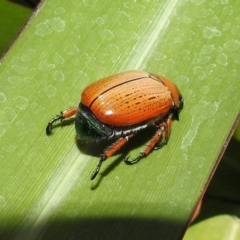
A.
x: 237, y: 132
x: 221, y: 197
x: 216, y: 228
x: 12, y: 18
x: 45, y: 184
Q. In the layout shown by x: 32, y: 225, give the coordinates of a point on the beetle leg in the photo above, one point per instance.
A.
x: 65, y: 114
x: 109, y: 152
x: 160, y: 145
x: 163, y: 127
x: 167, y: 128
x: 135, y: 160
x: 149, y: 147
x: 96, y: 171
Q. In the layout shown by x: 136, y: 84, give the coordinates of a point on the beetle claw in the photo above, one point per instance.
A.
x: 135, y: 160
x: 160, y: 145
x: 49, y: 129
x: 50, y: 124
x: 95, y: 173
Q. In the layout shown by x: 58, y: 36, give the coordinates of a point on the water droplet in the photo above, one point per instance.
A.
x: 182, y: 79
x: 57, y: 58
x: 56, y: 24
x: 210, y: 32
x: 50, y: 91
x: 198, y: 2
x: 72, y: 49
x: 203, y: 13
x: 59, y: 10
x: 28, y: 55
x: 89, y: 3
x: 58, y: 76
x: 226, y: 26
x: 78, y: 78
x: 20, y: 102
x: 19, y: 69
x: 197, y: 70
x: 222, y: 59
x: 15, y: 80
x: 207, y: 49
x: 45, y: 65
x: 106, y: 34
x: 232, y: 45
x: 224, y: 1
x: 204, y: 89
x: 77, y: 18
x: 99, y: 21
x: 7, y: 115
x: 42, y: 29
x: 228, y: 10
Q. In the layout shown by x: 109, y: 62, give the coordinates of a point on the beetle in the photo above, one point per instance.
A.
x: 119, y: 106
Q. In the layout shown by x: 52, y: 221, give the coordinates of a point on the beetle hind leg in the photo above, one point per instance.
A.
x: 167, y: 127
x: 162, y: 132
x: 151, y: 145
x: 160, y: 145
x: 135, y: 160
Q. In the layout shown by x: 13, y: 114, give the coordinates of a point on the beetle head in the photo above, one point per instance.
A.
x: 176, y: 95
x: 88, y: 127
x: 181, y: 102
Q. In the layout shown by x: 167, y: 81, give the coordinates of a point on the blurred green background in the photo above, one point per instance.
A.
x: 223, y: 194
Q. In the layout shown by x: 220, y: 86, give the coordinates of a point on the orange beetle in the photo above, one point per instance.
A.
x: 121, y: 105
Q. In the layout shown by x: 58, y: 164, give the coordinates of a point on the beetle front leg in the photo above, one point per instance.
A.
x: 109, y: 152
x: 65, y: 114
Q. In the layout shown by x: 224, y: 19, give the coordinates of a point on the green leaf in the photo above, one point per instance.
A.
x: 45, y: 184
x: 237, y: 132
x: 12, y: 18
x: 221, y: 197
x: 216, y: 228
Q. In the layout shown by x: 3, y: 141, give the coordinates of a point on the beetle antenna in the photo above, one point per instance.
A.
x: 95, y: 173
x: 50, y: 124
